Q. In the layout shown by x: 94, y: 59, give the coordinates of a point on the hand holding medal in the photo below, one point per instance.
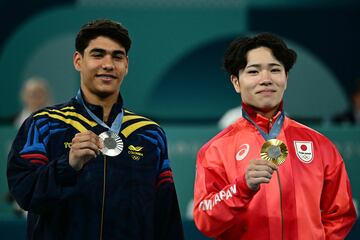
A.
x: 84, y: 147
x: 112, y: 143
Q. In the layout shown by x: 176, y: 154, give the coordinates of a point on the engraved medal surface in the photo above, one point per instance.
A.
x: 275, y: 151
x: 113, y: 144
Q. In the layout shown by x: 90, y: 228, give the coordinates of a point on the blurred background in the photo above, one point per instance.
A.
x: 175, y: 72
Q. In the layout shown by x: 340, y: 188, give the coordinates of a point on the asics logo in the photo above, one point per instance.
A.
x: 243, y: 151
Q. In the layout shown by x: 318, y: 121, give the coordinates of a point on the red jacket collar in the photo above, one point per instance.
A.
x: 263, y: 122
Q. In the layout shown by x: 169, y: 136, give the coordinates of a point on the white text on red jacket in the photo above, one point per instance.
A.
x: 208, y: 204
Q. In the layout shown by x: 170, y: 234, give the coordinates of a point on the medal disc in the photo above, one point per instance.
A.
x: 275, y: 151
x: 113, y: 145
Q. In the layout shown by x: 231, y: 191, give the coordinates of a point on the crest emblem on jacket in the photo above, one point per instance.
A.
x: 304, y: 151
x: 135, y: 152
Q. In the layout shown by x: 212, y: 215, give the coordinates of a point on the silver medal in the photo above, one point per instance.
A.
x: 113, y: 145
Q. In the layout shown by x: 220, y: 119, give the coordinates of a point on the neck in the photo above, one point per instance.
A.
x: 105, y: 102
x: 268, y: 114
x: 106, y: 111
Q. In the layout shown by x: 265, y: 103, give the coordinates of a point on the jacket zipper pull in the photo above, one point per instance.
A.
x: 270, y: 124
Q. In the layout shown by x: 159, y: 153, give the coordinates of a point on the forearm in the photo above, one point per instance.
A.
x: 38, y: 187
x: 214, y: 212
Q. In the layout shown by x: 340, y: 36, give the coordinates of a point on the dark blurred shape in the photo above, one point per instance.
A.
x: 352, y: 115
x: 14, y: 15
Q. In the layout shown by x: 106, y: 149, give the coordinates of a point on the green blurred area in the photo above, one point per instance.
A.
x: 175, y: 63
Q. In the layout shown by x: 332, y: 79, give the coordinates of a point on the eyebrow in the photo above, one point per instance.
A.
x: 115, y: 52
x: 259, y: 65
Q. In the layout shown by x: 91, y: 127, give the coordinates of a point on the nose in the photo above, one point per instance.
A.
x: 108, y: 64
x: 265, y: 77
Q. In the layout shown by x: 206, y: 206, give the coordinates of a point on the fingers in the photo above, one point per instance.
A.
x: 259, y: 171
x: 80, y: 146
x: 87, y: 139
x: 260, y: 174
x: 85, y: 146
x: 262, y: 165
x: 87, y: 153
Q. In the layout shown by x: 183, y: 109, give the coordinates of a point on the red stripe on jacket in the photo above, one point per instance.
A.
x: 35, y: 155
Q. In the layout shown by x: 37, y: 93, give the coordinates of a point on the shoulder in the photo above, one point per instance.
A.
x: 45, y: 113
x: 224, y: 137
x: 66, y: 114
x: 54, y: 109
x: 135, y: 123
x: 301, y: 131
x: 60, y: 112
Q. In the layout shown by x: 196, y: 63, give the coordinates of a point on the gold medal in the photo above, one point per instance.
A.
x: 113, y: 145
x: 275, y: 151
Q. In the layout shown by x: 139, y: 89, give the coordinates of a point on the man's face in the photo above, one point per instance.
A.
x: 102, y: 67
x: 262, y: 82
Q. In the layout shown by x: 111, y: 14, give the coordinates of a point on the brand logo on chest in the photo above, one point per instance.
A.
x: 67, y: 145
x: 243, y: 151
x: 304, y: 151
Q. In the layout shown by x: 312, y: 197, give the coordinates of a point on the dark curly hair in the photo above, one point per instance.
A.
x: 102, y: 27
x: 235, y: 57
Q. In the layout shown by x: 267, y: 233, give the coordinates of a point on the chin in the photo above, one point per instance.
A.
x: 264, y: 106
x: 105, y: 94
x: 270, y: 108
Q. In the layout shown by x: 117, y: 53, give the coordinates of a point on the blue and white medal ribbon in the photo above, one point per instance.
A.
x: 273, y: 149
x: 274, y: 131
x: 113, y: 144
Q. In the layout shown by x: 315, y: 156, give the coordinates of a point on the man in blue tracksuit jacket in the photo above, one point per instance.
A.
x: 88, y: 168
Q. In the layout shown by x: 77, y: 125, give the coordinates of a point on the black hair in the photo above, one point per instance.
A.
x: 235, y: 57
x: 102, y: 27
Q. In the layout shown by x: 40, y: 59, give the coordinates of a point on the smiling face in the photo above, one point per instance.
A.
x: 262, y: 82
x: 102, y: 69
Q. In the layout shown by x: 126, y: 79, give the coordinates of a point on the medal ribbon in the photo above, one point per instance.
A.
x: 116, y: 125
x: 274, y: 131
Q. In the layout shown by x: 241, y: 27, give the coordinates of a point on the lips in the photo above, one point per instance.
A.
x: 266, y: 91
x: 107, y: 77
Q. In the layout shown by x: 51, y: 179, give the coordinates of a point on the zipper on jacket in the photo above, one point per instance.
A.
x: 103, y: 201
x: 270, y: 124
x: 281, y: 205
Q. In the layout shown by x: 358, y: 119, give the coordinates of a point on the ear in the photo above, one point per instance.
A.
x: 77, y: 61
x: 286, y: 81
x: 236, y: 82
x: 127, y: 65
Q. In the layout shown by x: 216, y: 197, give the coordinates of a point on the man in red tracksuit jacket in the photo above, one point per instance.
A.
x: 239, y: 195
